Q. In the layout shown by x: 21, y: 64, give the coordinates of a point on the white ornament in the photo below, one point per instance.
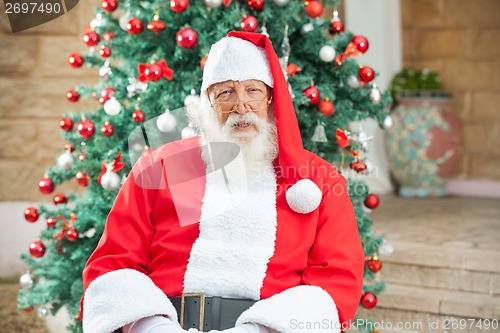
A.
x: 281, y: 3
x: 166, y: 122
x: 212, y: 3
x: 112, y: 107
x: 385, y: 249
x: 308, y: 27
x: 26, y: 281
x: 304, y: 196
x: 110, y: 181
x: 353, y: 81
x: 90, y: 233
x: 375, y: 95
x: 124, y: 20
x: 188, y: 131
x: 105, y: 70
x: 388, y: 122
x: 327, y: 53
x: 136, y: 87
x: 42, y: 312
x: 192, y: 99
x: 97, y: 21
x: 65, y: 160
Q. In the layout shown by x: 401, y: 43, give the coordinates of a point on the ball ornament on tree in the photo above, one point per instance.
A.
x: 353, y: 81
x: 105, y: 51
x: 66, y: 124
x: 31, y: 214
x: 69, y: 147
x: 313, y: 94
x: 313, y: 8
x: 249, y: 23
x: 108, y: 35
x: 358, y: 166
x: 112, y: 107
x: 187, y: 38
x: 306, y: 28
x: 326, y: 107
x: 375, y: 95
x: 388, y: 122
x: 327, y: 53
x: 86, y: 128
x: 336, y: 26
x: 72, y: 235
x: 366, y: 74
x: 138, y: 116
x: 188, y: 131
x: 166, y: 122
x: 51, y: 222
x: 110, y: 181
x: 37, y: 249
x: 281, y: 3
x: 26, y: 281
x: 75, y: 60
x: 156, y: 25
x: 46, y: 185
x: 256, y: 5
x: 65, y: 160
x: 109, y: 5
x: 179, y: 6
x: 107, y: 129
x: 106, y: 94
x: 371, y: 201
x: 82, y: 178
x: 60, y: 199
x: 361, y: 43
x: 91, y: 38
x: 134, y: 26
x: 72, y: 95
x: 374, y: 264
x: 212, y: 4
x: 369, y: 300
x: 154, y: 72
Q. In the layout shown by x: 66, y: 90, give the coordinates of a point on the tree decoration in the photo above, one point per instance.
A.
x: 357, y: 46
x: 313, y: 8
x: 65, y: 160
x: 313, y: 94
x: 371, y: 201
x: 72, y: 95
x: 366, y: 74
x: 108, y: 178
x: 138, y: 116
x: 82, y: 178
x: 166, y: 122
x: 361, y: 43
x: 37, y: 249
x: 202, y: 61
x: 187, y: 38
x: 388, y: 122
x: 256, y: 5
x: 319, y: 133
x: 375, y: 95
x: 374, y: 264
x: 358, y: 166
x: 353, y: 81
x: 106, y: 94
x: 60, y: 199
x: 249, y: 23
x: 69, y: 147
x: 134, y: 26
x: 369, y: 300
x: 86, y: 128
x: 327, y: 53
x: 105, y: 51
x: 72, y: 235
x: 112, y: 107
x: 337, y: 26
x: 46, y: 185
x: 292, y: 69
x: 109, y: 5
x: 326, y: 107
x: 107, y: 129
x: 108, y: 35
x: 179, y: 6
x: 281, y: 3
x: 212, y: 4
x: 75, y: 60
x: 188, y: 131
x: 66, y: 124
x: 154, y: 71
x: 26, y: 281
x: 51, y: 222
x: 91, y: 38
x: 135, y: 87
x: 156, y: 25
x: 31, y: 214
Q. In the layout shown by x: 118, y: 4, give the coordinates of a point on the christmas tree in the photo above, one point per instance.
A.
x: 149, y: 55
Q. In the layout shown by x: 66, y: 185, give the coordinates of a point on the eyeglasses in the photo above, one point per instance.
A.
x: 230, y: 107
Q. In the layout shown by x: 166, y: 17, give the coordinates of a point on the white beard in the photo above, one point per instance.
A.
x: 258, y: 148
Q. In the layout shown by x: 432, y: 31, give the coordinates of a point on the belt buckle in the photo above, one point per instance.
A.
x: 202, y: 308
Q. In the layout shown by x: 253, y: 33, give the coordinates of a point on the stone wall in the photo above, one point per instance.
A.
x: 461, y: 40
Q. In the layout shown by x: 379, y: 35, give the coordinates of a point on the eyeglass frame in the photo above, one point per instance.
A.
x: 237, y: 102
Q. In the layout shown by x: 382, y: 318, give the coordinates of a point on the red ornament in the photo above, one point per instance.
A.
x: 203, y: 61
x: 326, y: 107
x: 51, y: 222
x: 72, y: 95
x: 374, y: 264
x: 91, y: 38
x: 75, y: 60
x: 86, y: 128
x: 156, y: 25
x: 60, y: 199
x: 314, y: 8
x: 179, y: 6
x: 154, y: 72
x: 138, y: 116
x: 104, y: 51
x: 187, y: 38
x: 82, y: 179
x: 72, y: 235
x: 27, y: 310
x: 256, y: 5
x: 368, y: 300
x: 106, y: 94
x: 66, y: 124
x: 69, y: 147
x: 336, y: 27
x: 82, y: 157
x: 366, y: 74
x: 313, y: 94
x: 134, y: 26
x: 109, y: 5
x: 37, y: 249
x: 249, y: 24
x: 108, y: 36
x: 31, y: 214
x: 107, y: 129
x: 46, y: 185
x: 292, y: 69
x: 361, y: 43
x: 358, y: 166
x: 371, y: 201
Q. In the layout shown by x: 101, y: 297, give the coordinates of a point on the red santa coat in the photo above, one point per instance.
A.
x: 303, y: 269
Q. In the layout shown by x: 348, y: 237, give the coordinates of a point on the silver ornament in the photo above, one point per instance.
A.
x: 353, y: 81
x: 192, y: 99
x: 97, y: 21
x: 166, y: 122
x: 65, y: 160
x: 319, y: 133
x: 375, y: 95
x: 26, y: 281
x: 327, y: 53
x: 188, y: 131
x: 42, y: 312
x: 385, y: 249
x: 110, y: 181
x: 281, y: 3
x: 212, y: 4
x: 135, y: 87
x: 105, y: 70
x: 306, y: 28
x: 388, y: 122
x: 112, y: 107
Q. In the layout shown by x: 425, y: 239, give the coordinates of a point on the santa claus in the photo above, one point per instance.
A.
x: 237, y: 230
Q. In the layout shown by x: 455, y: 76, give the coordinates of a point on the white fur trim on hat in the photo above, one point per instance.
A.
x: 236, y: 59
x: 304, y: 196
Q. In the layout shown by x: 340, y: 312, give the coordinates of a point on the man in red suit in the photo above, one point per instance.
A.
x: 238, y: 230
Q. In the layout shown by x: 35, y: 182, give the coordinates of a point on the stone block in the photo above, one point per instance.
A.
x: 408, y: 42
x: 436, y: 64
x: 427, y: 13
x: 406, y: 13
x: 475, y: 138
x: 19, y: 181
x: 440, y: 43
x: 18, y: 55
x: 460, y: 104
x: 468, y: 74
x: 485, y: 166
x: 18, y: 140
x: 486, y: 105
x: 484, y: 43
x: 478, y: 13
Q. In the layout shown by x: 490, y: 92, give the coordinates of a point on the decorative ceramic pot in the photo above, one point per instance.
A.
x: 424, y: 144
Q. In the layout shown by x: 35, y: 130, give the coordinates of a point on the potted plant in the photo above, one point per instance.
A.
x: 424, y: 144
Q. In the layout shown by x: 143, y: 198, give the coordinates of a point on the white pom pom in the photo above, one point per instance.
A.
x: 304, y: 196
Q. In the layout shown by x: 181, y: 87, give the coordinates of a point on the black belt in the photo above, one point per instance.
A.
x: 209, y: 313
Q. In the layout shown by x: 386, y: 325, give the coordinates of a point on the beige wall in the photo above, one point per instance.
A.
x: 461, y: 40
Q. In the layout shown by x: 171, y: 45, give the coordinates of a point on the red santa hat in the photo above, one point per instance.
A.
x: 247, y: 55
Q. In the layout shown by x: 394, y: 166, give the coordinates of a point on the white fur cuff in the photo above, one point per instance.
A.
x: 298, y: 309
x: 120, y: 297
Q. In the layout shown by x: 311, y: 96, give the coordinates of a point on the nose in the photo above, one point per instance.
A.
x: 241, y: 106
